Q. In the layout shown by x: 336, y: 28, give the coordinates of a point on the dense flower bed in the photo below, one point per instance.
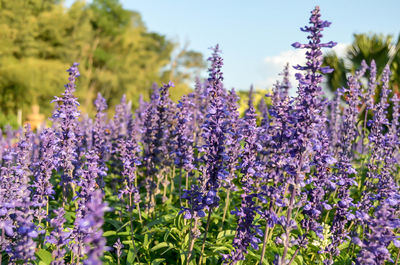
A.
x: 306, y: 180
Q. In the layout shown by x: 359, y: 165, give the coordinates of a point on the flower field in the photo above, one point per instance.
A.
x: 304, y: 180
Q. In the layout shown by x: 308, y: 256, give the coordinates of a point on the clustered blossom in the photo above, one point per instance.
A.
x: 22, y: 230
x: 118, y: 247
x: 214, y: 130
x: 157, y: 131
x: 43, y: 168
x: 91, y: 224
x: 58, y: 237
x: 233, y: 137
x: 100, y: 143
x: 382, y: 189
x: 182, y: 135
x: 65, y: 116
x: 305, y: 132
x: 129, y: 150
x: 121, y: 126
x: 343, y: 179
x: 247, y: 231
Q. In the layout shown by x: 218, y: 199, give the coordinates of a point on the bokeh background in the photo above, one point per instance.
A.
x: 125, y: 47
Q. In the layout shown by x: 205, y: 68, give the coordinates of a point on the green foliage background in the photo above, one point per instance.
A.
x: 384, y: 49
x: 118, y: 55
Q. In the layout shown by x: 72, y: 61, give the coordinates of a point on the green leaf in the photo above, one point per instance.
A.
x: 109, y: 259
x: 299, y: 260
x: 226, y: 233
x: 146, y: 241
x: 224, y: 249
x: 162, y: 245
x: 157, y: 261
x: 109, y: 233
x: 115, y: 223
x: 131, y: 256
x: 44, y: 256
x: 155, y: 222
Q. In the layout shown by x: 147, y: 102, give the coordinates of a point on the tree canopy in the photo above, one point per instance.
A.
x: 118, y: 55
x: 372, y: 46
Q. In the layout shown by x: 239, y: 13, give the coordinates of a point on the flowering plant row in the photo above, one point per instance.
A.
x: 305, y: 180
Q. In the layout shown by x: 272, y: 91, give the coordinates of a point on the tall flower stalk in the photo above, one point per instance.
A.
x: 306, y: 119
x: 214, y: 132
x: 65, y: 118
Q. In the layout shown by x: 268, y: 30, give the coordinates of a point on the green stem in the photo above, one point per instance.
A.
x: 226, y: 208
x: 138, y: 204
x: 397, y: 258
x: 363, y: 131
x: 172, y: 183
x: 140, y: 213
x: 180, y: 187
x: 47, y: 211
x: 205, y: 236
x: 191, y: 241
x: 288, y: 219
x: 187, y: 185
x: 264, y: 243
x: 131, y: 221
x: 294, y: 255
x: 187, y: 181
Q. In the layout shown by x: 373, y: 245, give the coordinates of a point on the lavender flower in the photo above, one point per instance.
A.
x: 91, y: 224
x: 129, y: 150
x: 122, y: 123
x: 20, y: 208
x: 58, y: 237
x: 233, y: 138
x: 182, y: 135
x: 306, y: 120
x: 65, y: 117
x: 246, y: 230
x: 43, y: 169
x: 88, y: 181
x: 100, y: 143
x: 157, y: 131
x: 118, y: 247
x: 140, y: 115
x: 214, y: 132
x: 382, y: 189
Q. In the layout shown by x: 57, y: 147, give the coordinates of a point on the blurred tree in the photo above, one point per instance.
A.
x: 39, y: 39
x: 368, y: 47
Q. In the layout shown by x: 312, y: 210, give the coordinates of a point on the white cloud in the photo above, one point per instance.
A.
x: 340, y: 49
x: 273, y: 65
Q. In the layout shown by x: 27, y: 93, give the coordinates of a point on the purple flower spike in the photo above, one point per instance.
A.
x: 92, y: 223
x: 214, y: 129
x: 58, y: 237
x: 247, y: 231
x: 65, y: 118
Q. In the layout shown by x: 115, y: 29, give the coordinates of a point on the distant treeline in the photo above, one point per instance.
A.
x: 117, y: 54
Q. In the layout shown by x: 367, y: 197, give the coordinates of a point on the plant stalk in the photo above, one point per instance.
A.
x: 264, y: 243
x: 191, y: 241
x: 288, y: 219
x: 397, y: 258
x: 226, y: 207
x: 294, y: 256
x: 205, y: 236
x: 131, y: 221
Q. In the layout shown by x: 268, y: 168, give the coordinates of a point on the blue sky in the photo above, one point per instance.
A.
x: 256, y: 36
